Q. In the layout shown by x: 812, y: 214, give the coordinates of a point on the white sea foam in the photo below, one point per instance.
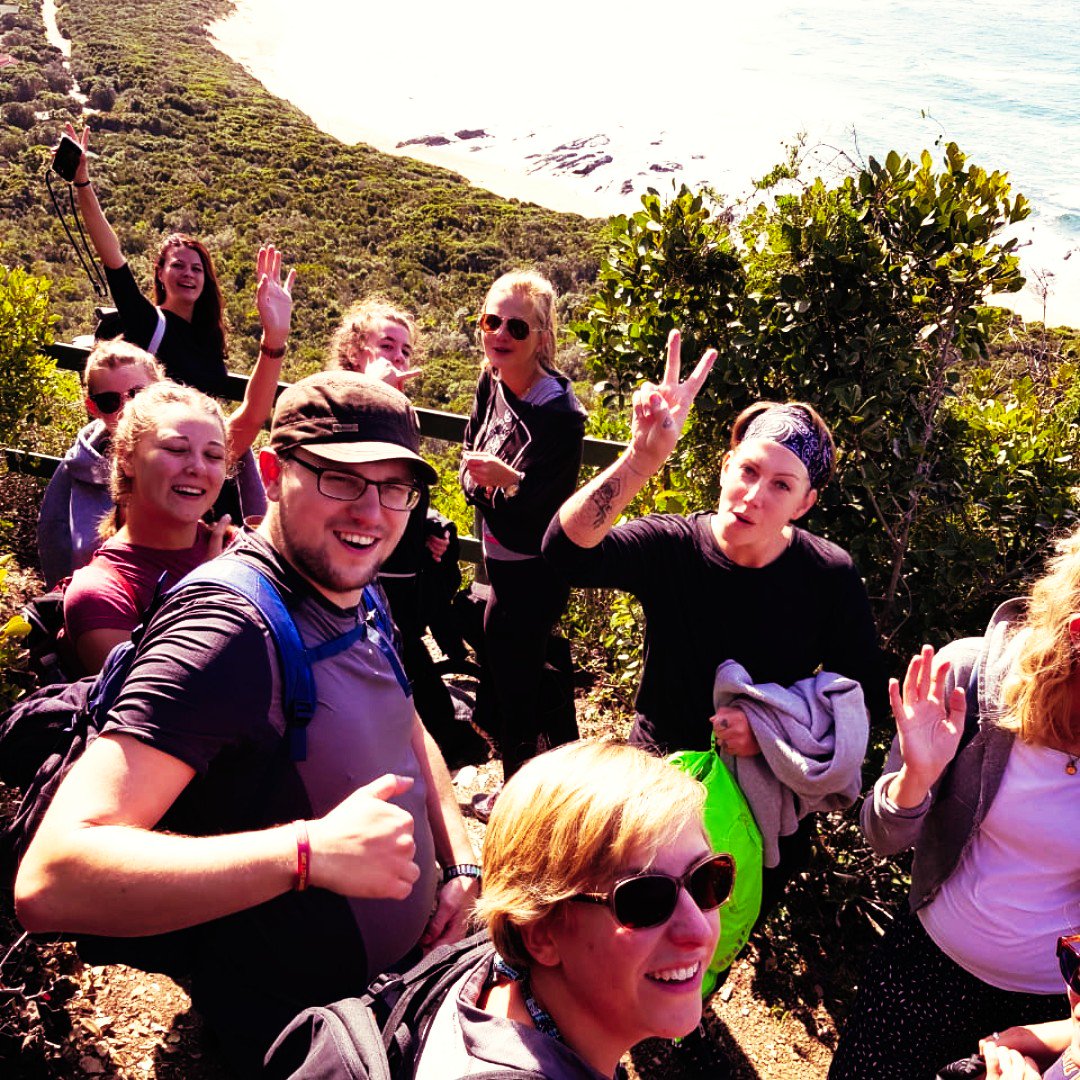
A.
x: 584, y: 103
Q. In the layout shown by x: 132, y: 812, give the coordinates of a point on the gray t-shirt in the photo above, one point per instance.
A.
x: 206, y: 689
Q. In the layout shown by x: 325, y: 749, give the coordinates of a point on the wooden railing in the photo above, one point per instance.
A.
x: 434, y: 424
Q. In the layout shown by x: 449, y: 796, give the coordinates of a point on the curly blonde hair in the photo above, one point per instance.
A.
x: 116, y: 354
x: 359, y: 321
x: 570, y: 821
x: 1037, y: 694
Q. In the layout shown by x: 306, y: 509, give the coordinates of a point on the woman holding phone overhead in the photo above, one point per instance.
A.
x: 521, y: 458
x: 184, y: 326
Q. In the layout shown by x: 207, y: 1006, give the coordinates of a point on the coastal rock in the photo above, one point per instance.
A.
x: 472, y: 133
x: 666, y: 166
x: 588, y: 167
x: 627, y: 187
x: 426, y: 140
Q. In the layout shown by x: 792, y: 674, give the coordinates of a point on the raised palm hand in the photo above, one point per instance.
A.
x: 274, y: 296
x: 929, y: 722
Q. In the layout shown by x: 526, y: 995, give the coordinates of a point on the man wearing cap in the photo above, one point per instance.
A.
x: 301, y: 879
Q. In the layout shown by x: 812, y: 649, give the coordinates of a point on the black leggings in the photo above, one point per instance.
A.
x: 527, y: 599
x: 918, y: 1010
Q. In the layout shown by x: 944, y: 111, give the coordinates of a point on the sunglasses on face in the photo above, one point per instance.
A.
x: 649, y: 899
x: 518, y: 329
x: 1068, y: 951
x: 348, y: 487
x: 108, y: 401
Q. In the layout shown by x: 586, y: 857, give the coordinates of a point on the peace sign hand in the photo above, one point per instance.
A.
x: 659, y: 412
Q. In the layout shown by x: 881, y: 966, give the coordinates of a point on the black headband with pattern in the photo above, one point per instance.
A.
x: 792, y: 427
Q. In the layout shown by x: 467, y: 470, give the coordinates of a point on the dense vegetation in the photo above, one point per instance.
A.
x: 957, y: 424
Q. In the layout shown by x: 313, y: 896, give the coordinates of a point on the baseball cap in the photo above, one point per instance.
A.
x: 350, y: 418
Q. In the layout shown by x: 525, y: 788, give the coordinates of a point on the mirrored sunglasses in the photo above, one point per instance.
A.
x: 108, y: 401
x: 650, y: 898
x: 518, y: 329
x: 1068, y: 951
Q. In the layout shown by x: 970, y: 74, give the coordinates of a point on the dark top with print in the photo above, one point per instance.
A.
x: 806, y: 610
x: 542, y: 441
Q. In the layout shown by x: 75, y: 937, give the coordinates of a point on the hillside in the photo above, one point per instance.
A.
x: 188, y: 141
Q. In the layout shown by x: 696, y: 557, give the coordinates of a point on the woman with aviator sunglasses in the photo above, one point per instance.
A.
x: 77, y: 497
x: 602, y: 898
x: 521, y: 457
x: 984, y: 785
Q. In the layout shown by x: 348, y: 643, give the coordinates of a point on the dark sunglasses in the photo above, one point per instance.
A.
x: 519, y: 329
x: 108, y: 401
x: 649, y: 899
x: 1068, y: 951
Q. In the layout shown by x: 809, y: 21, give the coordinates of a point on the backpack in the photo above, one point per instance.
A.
x: 379, y: 1036
x: 43, y: 735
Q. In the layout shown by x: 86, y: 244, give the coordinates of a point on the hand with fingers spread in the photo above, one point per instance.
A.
x: 929, y: 724
x: 273, y: 297
x: 364, y: 846
x: 659, y: 412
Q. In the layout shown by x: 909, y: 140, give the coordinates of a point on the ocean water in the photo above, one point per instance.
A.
x: 582, y: 104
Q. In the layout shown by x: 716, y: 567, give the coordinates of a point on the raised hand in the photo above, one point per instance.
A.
x: 273, y: 297
x: 364, y: 846
x: 82, y: 172
x: 929, y: 724
x: 659, y: 412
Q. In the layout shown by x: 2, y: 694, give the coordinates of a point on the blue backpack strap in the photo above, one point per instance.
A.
x: 381, y: 632
x: 298, y: 689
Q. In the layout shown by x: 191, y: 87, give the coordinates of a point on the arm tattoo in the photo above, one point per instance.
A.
x: 602, y: 499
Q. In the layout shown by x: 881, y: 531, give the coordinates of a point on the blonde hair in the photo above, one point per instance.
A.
x: 359, y: 321
x: 571, y: 821
x: 541, y: 294
x: 1036, y: 695
x: 141, y: 416
x: 112, y: 355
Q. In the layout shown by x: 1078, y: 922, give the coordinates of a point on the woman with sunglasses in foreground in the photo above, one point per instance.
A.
x: 78, y: 497
x: 521, y: 458
x: 170, y: 457
x: 985, y: 788
x: 602, y: 898
x: 1017, y: 1053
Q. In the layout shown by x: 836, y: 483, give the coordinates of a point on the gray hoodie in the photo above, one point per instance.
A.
x: 75, y: 501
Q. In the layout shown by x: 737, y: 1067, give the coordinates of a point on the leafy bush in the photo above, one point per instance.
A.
x: 26, y: 375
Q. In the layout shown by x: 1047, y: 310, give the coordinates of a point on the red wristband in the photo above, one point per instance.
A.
x: 303, y: 857
x: 273, y: 354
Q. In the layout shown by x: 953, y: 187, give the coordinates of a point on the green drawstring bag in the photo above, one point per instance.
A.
x: 730, y: 827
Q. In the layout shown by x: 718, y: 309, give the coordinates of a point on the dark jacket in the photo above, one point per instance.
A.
x: 542, y: 441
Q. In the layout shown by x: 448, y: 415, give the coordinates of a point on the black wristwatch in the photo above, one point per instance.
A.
x: 462, y: 870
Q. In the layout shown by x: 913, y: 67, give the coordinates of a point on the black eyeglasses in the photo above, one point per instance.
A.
x: 108, y: 401
x: 348, y: 487
x: 519, y: 329
x: 1068, y: 951
x: 649, y: 899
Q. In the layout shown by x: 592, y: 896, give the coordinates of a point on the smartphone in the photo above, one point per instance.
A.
x: 66, y: 159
